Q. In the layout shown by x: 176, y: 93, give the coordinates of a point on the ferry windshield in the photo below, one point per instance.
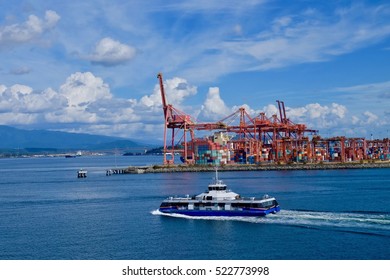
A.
x: 217, y: 188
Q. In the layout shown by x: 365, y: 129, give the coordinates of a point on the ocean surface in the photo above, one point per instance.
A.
x: 46, y: 212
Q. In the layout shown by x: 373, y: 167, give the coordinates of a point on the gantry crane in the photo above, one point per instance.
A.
x: 263, y: 138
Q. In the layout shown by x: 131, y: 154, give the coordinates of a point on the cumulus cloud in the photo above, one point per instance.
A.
x: 12, y: 99
x: 109, y: 52
x: 370, y: 117
x: 314, y: 115
x: 367, y: 118
x: 214, y: 107
x: 176, y: 90
x: 270, y: 110
x: 19, y: 104
x: 29, y: 30
x: 318, y: 116
x: 84, y: 103
x: 81, y: 89
x: 247, y: 108
x: 22, y: 99
x: 83, y: 98
x: 89, y: 100
x: 18, y: 118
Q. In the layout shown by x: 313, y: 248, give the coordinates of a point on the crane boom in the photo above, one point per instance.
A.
x: 162, y: 90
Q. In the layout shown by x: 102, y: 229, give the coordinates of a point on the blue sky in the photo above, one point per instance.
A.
x: 91, y: 66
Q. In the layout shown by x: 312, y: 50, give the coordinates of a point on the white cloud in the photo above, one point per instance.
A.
x: 280, y: 23
x: 270, y: 110
x: 18, y: 118
x: 318, y: 116
x: 11, y: 99
x: 297, y: 113
x: 338, y: 110
x: 311, y: 37
x: 83, y: 98
x: 17, y: 90
x: 247, y: 108
x: 83, y: 88
x: 374, y: 88
x: 39, y: 102
x: 214, y: 107
x: 316, y: 111
x: 23, y: 100
x: 84, y: 103
x: 176, y: 90
x: 51, y: 18
x: 355, y: 120
x: 314, y: 115
x: 290, y: 39
x: 109, y: 52
x: 89, y: 100
x: 2, y: 88
x: 368, y: 121
x: 29, y: 30
x: 207, y: 6
x: 371, y: 118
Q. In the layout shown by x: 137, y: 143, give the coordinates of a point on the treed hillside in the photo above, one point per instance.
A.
x: 14, y: 138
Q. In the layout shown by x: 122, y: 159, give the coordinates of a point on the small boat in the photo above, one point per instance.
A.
x: 70, y: 156
x: 82, y: 173
x: 219, y: 201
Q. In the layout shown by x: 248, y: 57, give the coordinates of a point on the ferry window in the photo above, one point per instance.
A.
x: 267, y: 203
x: 240, y: 205
x: 182, y: 204
x: 221, y: 204
x: 209, y: 198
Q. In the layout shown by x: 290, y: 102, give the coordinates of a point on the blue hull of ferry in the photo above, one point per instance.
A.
x: 221, y: 213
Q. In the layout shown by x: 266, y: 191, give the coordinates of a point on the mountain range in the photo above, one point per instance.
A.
x: 14, y: 138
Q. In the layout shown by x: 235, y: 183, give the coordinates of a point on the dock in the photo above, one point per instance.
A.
x: 253, y: 167
x: 114, y: 171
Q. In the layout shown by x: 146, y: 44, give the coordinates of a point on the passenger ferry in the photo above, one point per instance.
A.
x: 219, y: 201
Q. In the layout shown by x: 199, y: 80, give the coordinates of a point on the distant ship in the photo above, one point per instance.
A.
x: 70, y: 156
x: 78, y: 154
x: 219, y: 201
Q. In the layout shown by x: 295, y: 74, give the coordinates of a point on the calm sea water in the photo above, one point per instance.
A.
x: 47, y: 213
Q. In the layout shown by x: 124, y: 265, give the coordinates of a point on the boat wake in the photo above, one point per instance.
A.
x: 309, y: 219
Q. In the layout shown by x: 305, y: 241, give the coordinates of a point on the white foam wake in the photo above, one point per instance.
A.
x: 307, y: 218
